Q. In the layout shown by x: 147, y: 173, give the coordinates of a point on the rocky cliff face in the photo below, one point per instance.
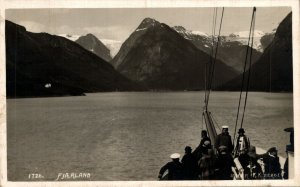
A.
x: 159, y: 58
x: 40, y: 64
x: 274, y: 70
x: 93, y: 44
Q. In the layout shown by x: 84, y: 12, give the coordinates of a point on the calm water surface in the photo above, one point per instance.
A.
x: 128, y: 136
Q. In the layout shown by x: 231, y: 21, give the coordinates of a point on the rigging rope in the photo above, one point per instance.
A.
x: 251, y: 33
x: 211, y: 75
x: 213, y: 33
x: 249, y: 71
x: 216, y: 122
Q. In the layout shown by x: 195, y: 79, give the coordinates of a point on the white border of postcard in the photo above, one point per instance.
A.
x: 23, y: 4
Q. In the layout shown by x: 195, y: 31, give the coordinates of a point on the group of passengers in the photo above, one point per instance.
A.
x: 223, y: 161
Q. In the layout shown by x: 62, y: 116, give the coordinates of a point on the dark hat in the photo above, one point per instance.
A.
x: 272, y: 149
x: 188, y: 148
x: 252, y: 151
x: 241, y: 130
x: 290, y: 129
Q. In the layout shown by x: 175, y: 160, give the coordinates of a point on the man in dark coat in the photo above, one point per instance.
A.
x: 224, y: 139
x: 190, y: 165
x: 241, y: 148
x: 204, y: 145
x: 224, y: 164
x: 253, y: 170
x: 272, y: 164
x: 175, y: 169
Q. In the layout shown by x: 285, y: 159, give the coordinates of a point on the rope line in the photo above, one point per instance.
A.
x: 251, y: 33
x: 215, y: 14
x: 249, y: 71
x: 215, y: 59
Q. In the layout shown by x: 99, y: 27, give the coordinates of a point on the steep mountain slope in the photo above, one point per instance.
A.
x: 267, y: 39
x: 232, y: 49
x: 159, y: 58
x: 40, y: 64
x: 93, y: 44
x: 274, y: 70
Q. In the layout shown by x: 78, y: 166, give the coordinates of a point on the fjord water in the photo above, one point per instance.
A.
x: 128, y: 135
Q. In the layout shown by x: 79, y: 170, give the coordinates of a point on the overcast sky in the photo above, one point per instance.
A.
x: 118, y: 24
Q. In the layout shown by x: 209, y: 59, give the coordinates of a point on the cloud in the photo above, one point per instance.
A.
x: 111, y: 32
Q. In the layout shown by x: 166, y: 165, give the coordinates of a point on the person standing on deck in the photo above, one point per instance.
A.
x: 224, y: 139
x: 241, y: 148
x: 271, y: 164
x: 224, y: 164
x: 253, y: 170
x: 190, y: 165
x: 207, y: 165
x: 204, y: 145
x: 175, y: 169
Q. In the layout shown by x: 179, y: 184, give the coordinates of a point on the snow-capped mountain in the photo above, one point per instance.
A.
x: 231, y: 48
x: 242, y: 37
x: 245, y: 34
x: 70, y: 37
x: 189, y: 34
x: 159, y: 58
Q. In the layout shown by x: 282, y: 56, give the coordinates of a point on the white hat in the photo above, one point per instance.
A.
x: 175, y: 155
x: 225, y: 127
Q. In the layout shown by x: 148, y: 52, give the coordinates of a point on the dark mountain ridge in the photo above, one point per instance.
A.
x: 160, y: 59
x: 34, y: 60
x: 274, y: 70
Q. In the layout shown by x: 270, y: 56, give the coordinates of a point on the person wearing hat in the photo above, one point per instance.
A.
x: 190, y: 165
x: 204, y: 145
x: 224, y: 139
x: 253, y: 169
x: 175, y: 169
x: 223, y: 164
x: 272, y: 164
x: 242, y: 146
x: 207, y: 165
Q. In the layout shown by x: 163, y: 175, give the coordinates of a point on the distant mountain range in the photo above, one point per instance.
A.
x: 274, y: 70
x: 232, y: 49
x: 40, y: 64
x: 154, y: 57
x: 159, y: 58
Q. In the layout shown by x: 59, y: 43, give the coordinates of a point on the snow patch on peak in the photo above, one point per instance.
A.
x: 200, y: 33
x: 140, y: 29
x: 189, y: 33
x: 245, y: 34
